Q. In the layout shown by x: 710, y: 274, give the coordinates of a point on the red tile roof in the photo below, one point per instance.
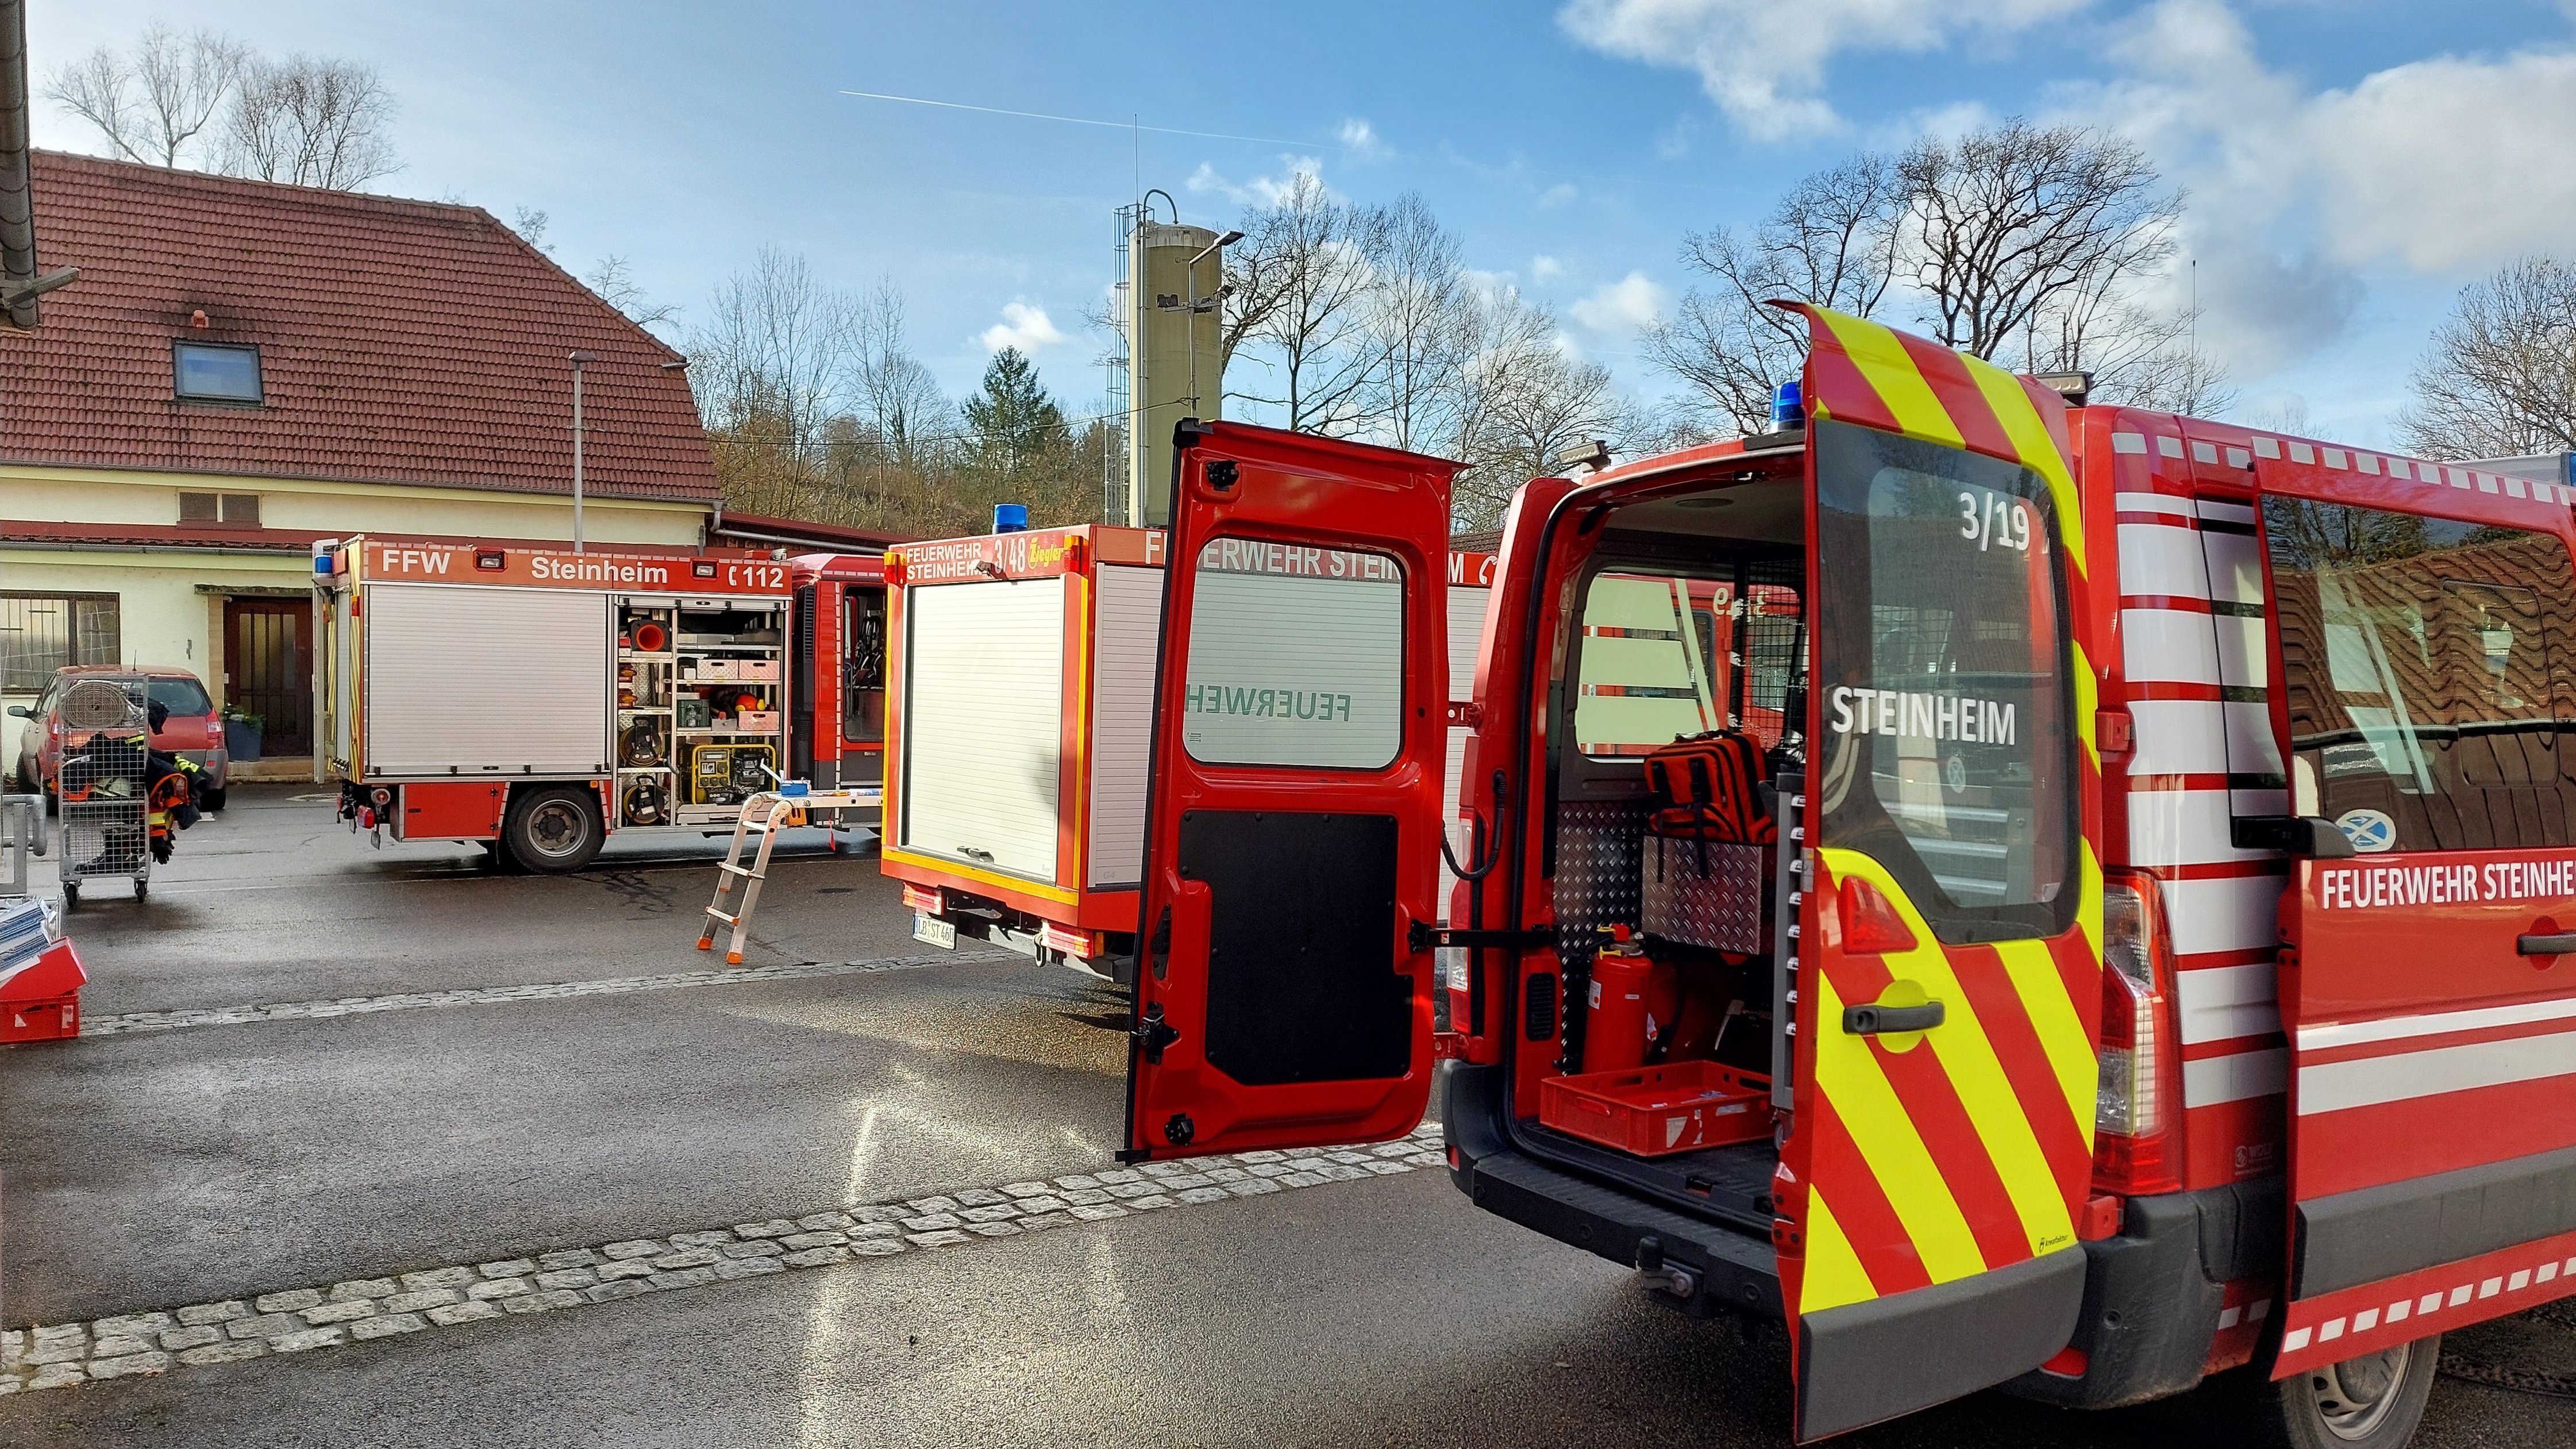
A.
x: 400, y: 342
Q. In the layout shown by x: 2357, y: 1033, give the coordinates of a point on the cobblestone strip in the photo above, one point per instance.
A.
x: 54, y: 1356
x: 140, y: 1021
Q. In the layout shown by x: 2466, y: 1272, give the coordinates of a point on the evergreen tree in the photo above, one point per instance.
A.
x: 1014, y: 420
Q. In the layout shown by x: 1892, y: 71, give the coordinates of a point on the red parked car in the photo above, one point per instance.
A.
x: 193, y: 731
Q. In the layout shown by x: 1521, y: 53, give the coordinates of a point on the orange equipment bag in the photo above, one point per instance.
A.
x: 1709, y: 787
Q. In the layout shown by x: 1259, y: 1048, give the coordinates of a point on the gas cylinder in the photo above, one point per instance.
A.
x: 1614, y: 1026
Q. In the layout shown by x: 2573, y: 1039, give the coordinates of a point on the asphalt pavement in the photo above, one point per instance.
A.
x: 324, y: 1064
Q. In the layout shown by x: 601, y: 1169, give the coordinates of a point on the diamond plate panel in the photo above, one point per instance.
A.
x: 1720, y: 909
x: 1598, y: 845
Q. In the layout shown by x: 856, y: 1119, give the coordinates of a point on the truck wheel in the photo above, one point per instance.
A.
x: 2371, y: 1402
x: 554, y: 831
x: 212, y: 800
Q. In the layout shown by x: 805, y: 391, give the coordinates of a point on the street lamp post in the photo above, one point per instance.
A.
x: 1190, y: 279
x: 579, y: 360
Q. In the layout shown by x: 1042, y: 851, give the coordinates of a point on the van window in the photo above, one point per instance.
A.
x: 1659, y: 657
x: 1645, y: 671
x: 1296, y: 657
x: 1946, y: 751
x: 2425, y: 668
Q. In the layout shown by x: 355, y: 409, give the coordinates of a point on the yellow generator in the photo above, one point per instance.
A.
x: 729, y: 774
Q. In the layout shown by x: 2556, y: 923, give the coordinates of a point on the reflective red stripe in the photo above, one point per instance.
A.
x: 1938, y: 1116
x: 1869, y: 1222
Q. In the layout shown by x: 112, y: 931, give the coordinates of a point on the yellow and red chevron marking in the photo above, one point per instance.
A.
x: 1944, y: 1154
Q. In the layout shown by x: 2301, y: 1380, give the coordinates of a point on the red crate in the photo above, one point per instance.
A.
x: 1658, y: 1111
x: 55, y: 1020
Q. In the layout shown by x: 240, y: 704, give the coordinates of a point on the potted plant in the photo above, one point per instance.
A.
x: 242, y: 732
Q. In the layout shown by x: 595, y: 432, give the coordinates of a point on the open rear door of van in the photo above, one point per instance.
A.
x: 1283, y: 991
x: 2422, y: 620
x: 1949, y: 968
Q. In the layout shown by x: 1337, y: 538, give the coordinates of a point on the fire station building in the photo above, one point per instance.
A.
x: 244, y: 367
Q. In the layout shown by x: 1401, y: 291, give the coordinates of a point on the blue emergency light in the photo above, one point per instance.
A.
x: 1788, y: 408
x: 1010, y: 518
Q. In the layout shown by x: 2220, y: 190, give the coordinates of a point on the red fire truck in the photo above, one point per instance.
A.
x: 534, y: 700
x: 2162, y: 968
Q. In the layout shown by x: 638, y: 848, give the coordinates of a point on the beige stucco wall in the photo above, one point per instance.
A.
x: 68, y: 495
x: 165, y: 617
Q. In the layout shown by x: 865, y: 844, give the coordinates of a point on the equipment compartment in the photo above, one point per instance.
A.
x: 1659, y: 1111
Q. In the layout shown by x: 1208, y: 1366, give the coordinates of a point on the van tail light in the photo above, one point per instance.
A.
x: 214, y: 731
x: 2137, y: 1108
x: 1870, y: 921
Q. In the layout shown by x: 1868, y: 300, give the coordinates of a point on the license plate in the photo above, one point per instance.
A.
x: 933, y: 931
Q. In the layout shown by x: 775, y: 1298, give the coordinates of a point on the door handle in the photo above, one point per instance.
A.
x: 1872, y: 1020
x: 2562, y: 943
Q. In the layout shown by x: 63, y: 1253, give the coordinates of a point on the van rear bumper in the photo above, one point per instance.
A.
x: 2153, y: 1293
x: 1730, y: 1271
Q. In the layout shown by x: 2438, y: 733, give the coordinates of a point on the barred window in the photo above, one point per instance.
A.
x: 40, y: 633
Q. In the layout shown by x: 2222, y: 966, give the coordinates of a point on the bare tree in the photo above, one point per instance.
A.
x: 311, y: 122
x: 532, y: 223
x: 1522, y: 399
x: 1421, y: 323
x: 2500, y: 380
x: 897, y: 401
x: 769, y: 366
x: 1832, y: 240
x: 2019, y: 244
x: 1301, y: 282
x: 2139, y: 358
x: 616, y: 285
x: 153, y: 106
x: 2011, y: 230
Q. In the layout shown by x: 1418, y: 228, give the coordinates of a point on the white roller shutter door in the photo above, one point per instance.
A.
x: 983, y: 706
x: 484, y: 681
x: 1128, y: 609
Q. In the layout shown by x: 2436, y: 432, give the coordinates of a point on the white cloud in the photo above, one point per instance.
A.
x: 1258, y: 190
x: 1545, y: 269
x: 1557, y: 195
x: 1764, y: 61
x: 1358, y: 135
x: 1022, y: 327
x: 1631, y: 304
x: 2445, y: 167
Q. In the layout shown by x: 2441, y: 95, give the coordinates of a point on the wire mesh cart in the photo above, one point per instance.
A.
x: 104, y: 827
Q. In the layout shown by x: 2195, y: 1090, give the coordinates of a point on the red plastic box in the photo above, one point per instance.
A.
x: 57, y: 1020
x: 41, y: 1001
x: 1658, y: 1111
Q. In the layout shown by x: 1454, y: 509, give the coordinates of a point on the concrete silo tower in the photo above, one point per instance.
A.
x: 1175, y: 357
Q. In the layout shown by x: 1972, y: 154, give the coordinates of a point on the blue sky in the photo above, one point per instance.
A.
x: 2350, y: 164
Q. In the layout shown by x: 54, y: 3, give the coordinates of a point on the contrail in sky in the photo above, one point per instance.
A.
x: 1087, y: 121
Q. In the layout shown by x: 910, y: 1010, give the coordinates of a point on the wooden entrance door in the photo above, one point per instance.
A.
x: 268, y: 668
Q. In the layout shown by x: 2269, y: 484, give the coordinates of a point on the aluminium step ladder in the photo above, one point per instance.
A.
x: 765, y: 815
